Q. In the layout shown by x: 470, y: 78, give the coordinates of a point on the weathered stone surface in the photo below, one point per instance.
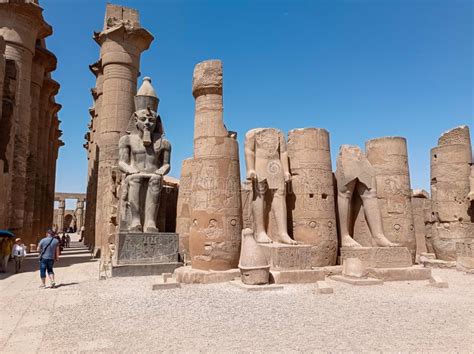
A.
x: 452, y: 211
x: 287, y: 257
x: 141, y: 247
x: 183, y: 218
x: 216, y: 213
x: 379, y: 257
x: 421, y: 204
x: 437, y: 282
x: 248, y: 287
x: 297, y: 276
x: 357, y: 281
x: 189, y: 275
x: 389, y: 157
x: 136, y: 270
x: 322, y: 287
x: 400, y: 274
x: 465, y: 256
x: 312, y: 201
x: 253, y: 264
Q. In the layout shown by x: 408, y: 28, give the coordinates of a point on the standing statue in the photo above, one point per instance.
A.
x: 266, y: 159
x: 144, y: 157
x: 354, y: 173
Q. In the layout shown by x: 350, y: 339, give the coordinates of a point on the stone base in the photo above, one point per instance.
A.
x: 267, y: 287
x: 297, y: 276
x: 379, y: 257
x: 357, y: 281
x: 436, y: 263
x: 287, y: 257
x: 400, y: 274
x: 465, y: 256
x: 133, y: 270
x: 461, y: 267
x: 188, y: 275
x: 165, y: 286
x: 437, y: 282
x: 323, y: 288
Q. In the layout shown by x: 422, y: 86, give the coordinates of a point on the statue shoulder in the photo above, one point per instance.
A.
x: 166, y: 144
x: 124, y: 140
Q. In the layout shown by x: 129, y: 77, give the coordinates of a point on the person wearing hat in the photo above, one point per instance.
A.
x: 18, y: 253
x: 48, y: 249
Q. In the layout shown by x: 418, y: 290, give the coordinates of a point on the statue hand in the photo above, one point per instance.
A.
x: 470, y: 196
x: 287, y: 176
x: 251, y: 174
x: 132, y: 171
x: 159, y: 172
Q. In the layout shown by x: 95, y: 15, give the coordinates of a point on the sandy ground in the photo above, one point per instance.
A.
x: 124, y: 315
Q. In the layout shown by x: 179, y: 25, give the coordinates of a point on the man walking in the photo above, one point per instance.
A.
x: 49, y: 252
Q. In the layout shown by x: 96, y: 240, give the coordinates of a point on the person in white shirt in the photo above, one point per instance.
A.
x: 18, y: 253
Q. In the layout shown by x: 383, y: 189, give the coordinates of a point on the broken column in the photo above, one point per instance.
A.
x: 21, y: 25
x: 214, y: 239
x: 312, y: 203
x: 121, y: 41
x: 183, y: 218
x: 450, y: 186
x: 421, y: 203
x: 389, y: 157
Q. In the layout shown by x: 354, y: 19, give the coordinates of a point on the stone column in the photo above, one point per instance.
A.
x: 451, y: 208
x: 421, y: 207
x: 216, y: 213
x: 389, y: 157
x: 121, y: 43
x: 48, y: 89
x: 22, y: 24
x: 3, y: 181
x: 79, y: 213
x: 60, y: 219
x: 312, y: 202
x: 183, y: 218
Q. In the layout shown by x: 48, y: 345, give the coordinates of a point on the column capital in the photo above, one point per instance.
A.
x: 45, y: 58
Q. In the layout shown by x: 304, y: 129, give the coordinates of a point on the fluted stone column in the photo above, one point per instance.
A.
x: 216, y: 213
x: 450, y: 186
x: 79, y: 213
x: 60, y: 218
x: 183, y: 218
x: 21, y: 25
x: 312, y: 202
x: 48, y: 89
x: 389, y: 157
x: 121, y: 43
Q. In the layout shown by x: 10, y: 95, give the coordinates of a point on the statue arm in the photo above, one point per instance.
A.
x: 250, y: 155
x: 165, y: 168
x: 284, y: 158
x: 124, y: 156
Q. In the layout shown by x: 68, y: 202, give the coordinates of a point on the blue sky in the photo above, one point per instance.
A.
x: 359, y: 68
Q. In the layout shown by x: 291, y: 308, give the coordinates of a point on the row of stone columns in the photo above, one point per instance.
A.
x: 29, y: 140
x: 79, y: 214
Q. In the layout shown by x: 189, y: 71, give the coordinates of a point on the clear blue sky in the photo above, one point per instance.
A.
x: 360, y: 69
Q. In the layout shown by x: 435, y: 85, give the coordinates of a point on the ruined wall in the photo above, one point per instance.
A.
x: 183, y: 219
x: 421, y: 203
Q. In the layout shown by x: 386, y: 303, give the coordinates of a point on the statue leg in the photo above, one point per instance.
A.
x: 344, y: 199
x: 373, y: 216
x: 152, y: 203
x: 281, y: 217
x: 258, y: 206
x: 134, y: 202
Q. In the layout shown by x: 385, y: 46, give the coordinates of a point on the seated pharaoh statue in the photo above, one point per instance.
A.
x: 267, y: 164
x: 354, y: 173
x: 144, y: 158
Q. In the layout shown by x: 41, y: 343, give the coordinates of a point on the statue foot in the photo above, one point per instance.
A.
x: 262, y: 237
x: 151, y: 228
x: 347, y: 241
x: 285, y: 238
x: 135, y: 228
x: 382, y: 241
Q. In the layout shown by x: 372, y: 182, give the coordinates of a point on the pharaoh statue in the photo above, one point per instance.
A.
x: 144, y: 158
x: 266, y: 159
x: 355, y: 174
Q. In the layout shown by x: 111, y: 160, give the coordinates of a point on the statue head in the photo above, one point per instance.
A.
x: 146, y: 117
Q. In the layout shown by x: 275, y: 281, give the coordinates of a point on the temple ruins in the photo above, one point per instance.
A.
x: 29, y: 134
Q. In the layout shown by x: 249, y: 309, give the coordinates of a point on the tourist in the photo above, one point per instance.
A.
x: 5, y: 252
x: 68, y: 241
x: 18, y: 254
x: 48, y: 248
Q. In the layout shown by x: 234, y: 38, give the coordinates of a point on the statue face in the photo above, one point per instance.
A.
x: 145, y: 120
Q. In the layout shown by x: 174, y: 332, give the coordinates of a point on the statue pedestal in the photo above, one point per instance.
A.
x: 287, y: 257
x: 371, y: 265
x: 145, y: 253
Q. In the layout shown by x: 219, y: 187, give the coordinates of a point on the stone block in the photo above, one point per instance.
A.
x: 437, y: 282
x: 146, y: 248
x: 166, y: 277
x: 400, y: 274
x: 134, y: 270
x: 465, y: 256
x: 323, y: 288
x: 357, y: 281
x: 287, y: 257
x: 189, y: 275
x: 167, y: 285
x: 428, y: 255
x: 436, y: 263
x: 297, y: 276
x: 267, y: 287
x: 379, y: 257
